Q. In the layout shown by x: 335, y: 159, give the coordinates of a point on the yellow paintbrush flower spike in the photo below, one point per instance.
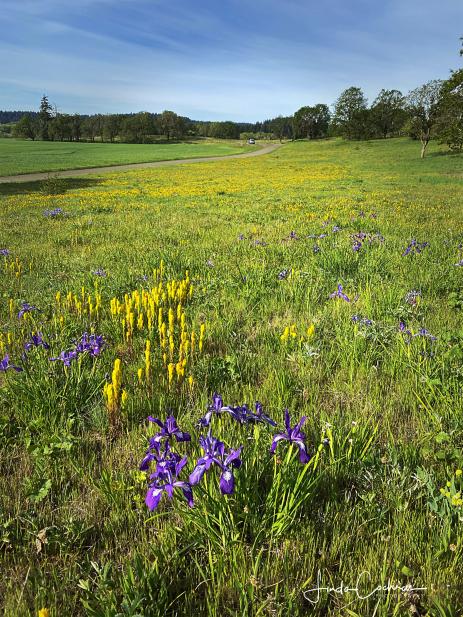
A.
x: 171, y: 321
x: 171, y: 345
x: 124, y: 397
x: 43, y: 612
x: 202, y: 329
x: 192, y: 342
x: 310, y: 331
x: 170, y: 372
x: 148, y: 360
x: 140, y: 375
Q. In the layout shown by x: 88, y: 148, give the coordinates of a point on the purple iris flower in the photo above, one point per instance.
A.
x: 361, y: 237
x: 26, y: 308
x: 425, y: 333
x: 241, y: 237
x: 260, y: 416
x: 167, y: 485
x: 405, y: 331
x: 293, y: 236
x: 168, y: 428
x: 215, y: 454
x: 99, y: 272
x: 66, y: 357
x: 165, y: 460
x: 363, y: 321
x: 415, y: 247
x: 90, y: 343
x: 4, y: 252
x: 340, y: 294
x: 283, y: 275
x: 336, y: 228
x: 5, y: 365
x: 293, y: 435
x: 53, y: 213
x: 244, y: 415
x: 460, y: 263
x: 36, y: 340
x: 216, y: 408
x: 316, y: 249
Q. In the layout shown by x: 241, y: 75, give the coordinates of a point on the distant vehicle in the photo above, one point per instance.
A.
x: 251, y: 141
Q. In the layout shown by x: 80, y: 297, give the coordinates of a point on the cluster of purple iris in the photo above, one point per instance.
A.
x: 168, y: 464
x: 241, y: 414
x: 36, y: 340
x: 361, y: 237
x: 362, y: 321
x: 54, y: 213
x: 422, y: 333
x: 4, y: 252
x: 339, y: 293
x: 91, y: 344
x: 415, y: 247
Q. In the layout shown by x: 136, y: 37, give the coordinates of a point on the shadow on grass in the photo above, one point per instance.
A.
x: 441, y: 153
x: 66, y: 184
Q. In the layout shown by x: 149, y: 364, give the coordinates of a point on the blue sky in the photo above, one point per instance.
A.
x: 242, y: 60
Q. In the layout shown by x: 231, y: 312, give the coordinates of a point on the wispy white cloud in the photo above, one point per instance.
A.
x: 231, y: 60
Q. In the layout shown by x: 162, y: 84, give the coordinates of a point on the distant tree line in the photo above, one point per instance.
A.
x: 433, y: 110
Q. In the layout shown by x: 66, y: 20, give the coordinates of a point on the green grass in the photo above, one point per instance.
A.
x: 75, y: 535
x: 22, y: 156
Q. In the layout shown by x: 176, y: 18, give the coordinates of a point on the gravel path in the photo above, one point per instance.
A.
x: 72, y: 173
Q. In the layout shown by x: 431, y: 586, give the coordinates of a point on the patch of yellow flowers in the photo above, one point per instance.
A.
x: 14, y: 267
x: 290, y: 334
x: 81, y: 304
x: 114, y: 394
x: 452, y: 493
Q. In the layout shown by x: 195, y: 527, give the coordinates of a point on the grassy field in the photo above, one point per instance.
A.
x: 224, y: 277
x: 20, y: 156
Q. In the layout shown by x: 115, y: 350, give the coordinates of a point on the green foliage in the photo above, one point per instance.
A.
x: 423, y: 104
x: 312, y: 122
x: 450, y: 122
x: 26, y: 127
x: 388, y: 114
x: 351, y: 114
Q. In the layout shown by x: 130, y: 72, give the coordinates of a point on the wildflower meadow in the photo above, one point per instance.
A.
x: 231, y: 388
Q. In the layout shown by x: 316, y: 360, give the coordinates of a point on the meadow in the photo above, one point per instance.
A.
x: 324, y: 279
x: 18, y: 156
